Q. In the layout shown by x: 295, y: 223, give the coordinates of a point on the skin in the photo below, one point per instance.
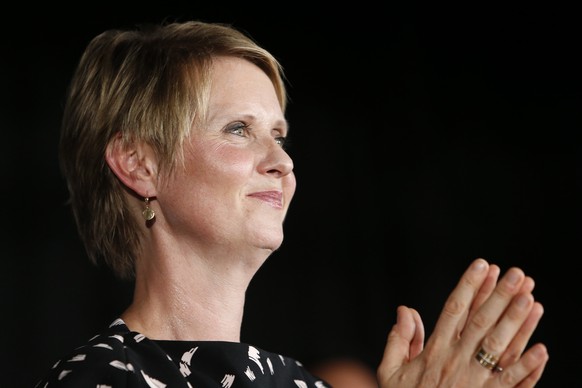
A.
x: 220, y: 217
x: 499, y: 316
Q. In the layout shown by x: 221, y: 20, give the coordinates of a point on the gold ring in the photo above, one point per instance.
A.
x: 488, y: 360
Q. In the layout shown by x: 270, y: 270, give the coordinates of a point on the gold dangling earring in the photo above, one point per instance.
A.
x: 148, y: 213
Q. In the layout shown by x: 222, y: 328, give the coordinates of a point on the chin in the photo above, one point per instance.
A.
x: 272, y: 246
x: 270, y: 241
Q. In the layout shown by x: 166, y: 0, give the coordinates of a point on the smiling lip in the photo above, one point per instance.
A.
x: 273, y: 198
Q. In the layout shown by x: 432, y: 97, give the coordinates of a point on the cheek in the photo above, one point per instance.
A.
x: 234, y: 161
x: 224, y: 166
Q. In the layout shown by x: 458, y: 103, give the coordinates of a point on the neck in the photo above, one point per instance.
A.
x: 180, y: 297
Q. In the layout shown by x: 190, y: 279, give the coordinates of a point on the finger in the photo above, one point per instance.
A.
x: 417, y: 343
x: 499, y: 338
x: 493, y: 308
x: 531, y: 380
x: 521, y: 339
x: 528, y: 285
x: 528, y: 370
x: 457, y: 305
x: 405, y: 335
x: 484, y: 292
x: 487, y: 287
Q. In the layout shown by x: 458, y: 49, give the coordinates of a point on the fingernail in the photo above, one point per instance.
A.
x: 479, y: 265
x: 513, y: 277
x: 538, y: 351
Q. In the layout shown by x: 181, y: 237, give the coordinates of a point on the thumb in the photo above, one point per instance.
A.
x: 405, y: 341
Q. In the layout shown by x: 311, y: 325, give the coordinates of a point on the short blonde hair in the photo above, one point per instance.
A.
x: 148, y: 84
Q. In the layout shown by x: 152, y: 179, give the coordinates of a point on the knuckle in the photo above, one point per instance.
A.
x: 480, y: 321
x: 505, y: 293
x: 511, y: 356
x: 491, y: 344
x: 519, y: 308
x: 454, y: 307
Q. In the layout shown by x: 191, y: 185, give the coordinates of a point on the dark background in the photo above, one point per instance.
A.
x: 423, y: 137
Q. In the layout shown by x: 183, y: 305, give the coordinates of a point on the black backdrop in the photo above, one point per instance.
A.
x: 422, y: 138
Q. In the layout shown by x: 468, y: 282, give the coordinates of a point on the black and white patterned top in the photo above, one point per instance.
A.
x: 119, y: 357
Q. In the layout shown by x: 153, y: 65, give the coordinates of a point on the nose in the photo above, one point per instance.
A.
x: 277, y: 161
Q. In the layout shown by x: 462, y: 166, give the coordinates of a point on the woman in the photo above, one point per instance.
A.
x: 173, y: 149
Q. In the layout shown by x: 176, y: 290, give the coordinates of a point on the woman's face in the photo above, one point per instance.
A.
x: 237, y: 181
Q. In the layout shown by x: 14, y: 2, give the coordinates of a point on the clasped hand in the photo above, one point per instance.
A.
x: 479, y: 339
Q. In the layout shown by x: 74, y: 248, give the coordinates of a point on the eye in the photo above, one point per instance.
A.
x: 238, y: 128
x: 282, y: 141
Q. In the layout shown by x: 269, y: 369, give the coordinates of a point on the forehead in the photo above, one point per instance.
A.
x: 232, y: 73
x: 241, y: 87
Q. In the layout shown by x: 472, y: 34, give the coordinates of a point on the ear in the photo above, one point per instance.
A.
x: 135, y: 164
